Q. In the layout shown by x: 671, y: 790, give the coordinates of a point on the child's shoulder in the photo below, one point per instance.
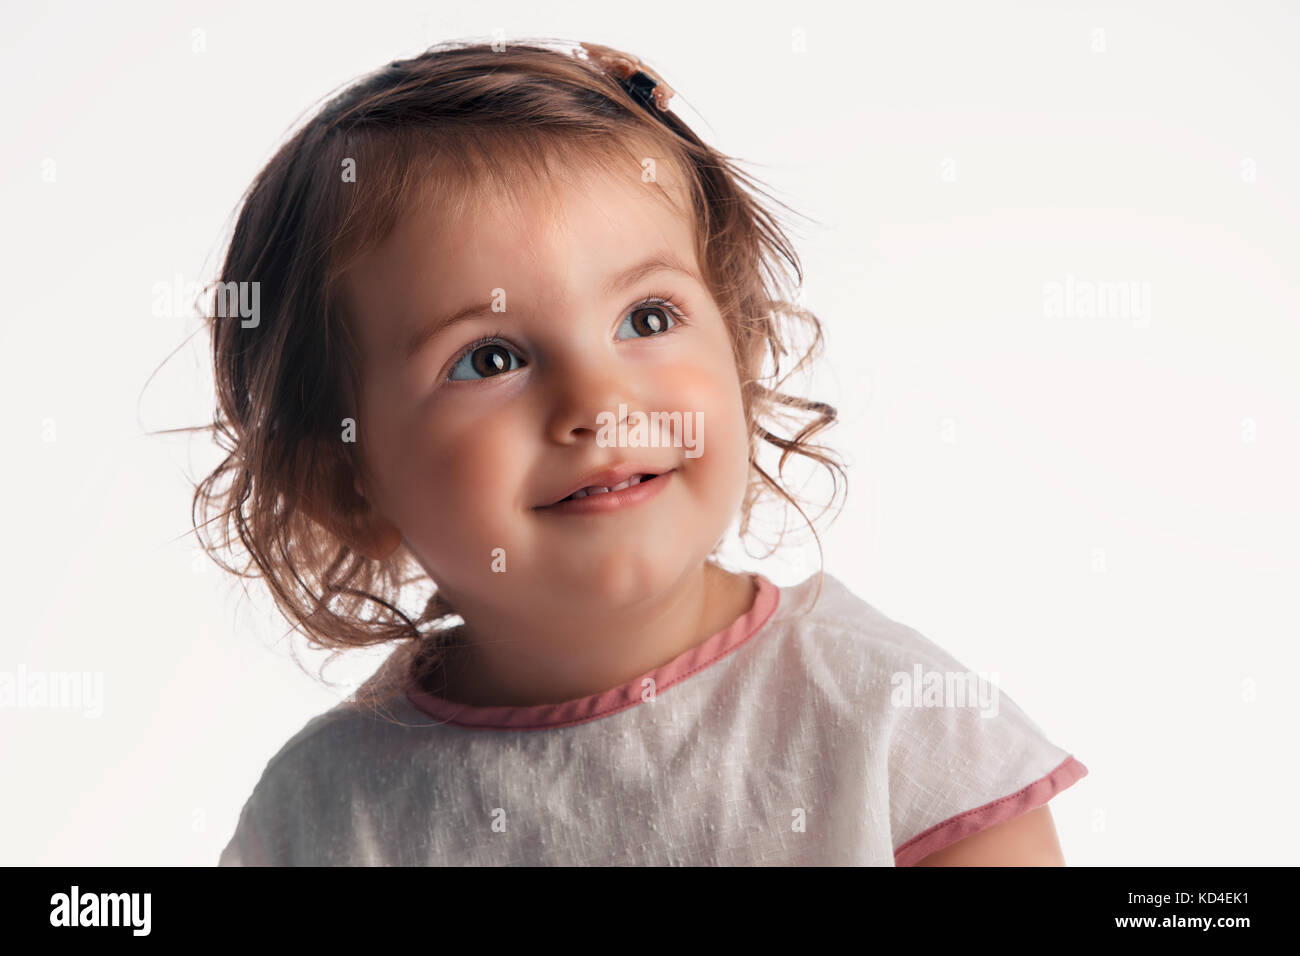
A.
x: 887, y: 664
x: 958, y: 753
x: 825, y: 614
x: 316, y: 775
x: 345, y: 727
x: 308, y: 738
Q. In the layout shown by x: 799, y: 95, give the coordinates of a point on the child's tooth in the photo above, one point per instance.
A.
x: 598, y: 490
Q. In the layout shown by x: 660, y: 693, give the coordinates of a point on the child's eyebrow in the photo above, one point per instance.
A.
x: 664, y: 261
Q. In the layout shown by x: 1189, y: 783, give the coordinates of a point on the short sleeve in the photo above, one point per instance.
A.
x: 958, y: 766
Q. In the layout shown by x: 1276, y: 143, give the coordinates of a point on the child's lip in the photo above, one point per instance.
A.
x: 611, y: 500
x: 608, y: 477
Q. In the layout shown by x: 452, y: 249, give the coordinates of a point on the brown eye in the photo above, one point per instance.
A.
x: 486, y: 357
x: 651, y: 318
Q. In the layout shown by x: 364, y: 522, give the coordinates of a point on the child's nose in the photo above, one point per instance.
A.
x: 582, y: 389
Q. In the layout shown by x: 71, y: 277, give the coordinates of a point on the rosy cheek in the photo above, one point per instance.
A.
x: 478, y: 469
x: 698, y: 390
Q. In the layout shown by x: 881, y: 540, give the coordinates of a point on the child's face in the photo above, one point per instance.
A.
x: 463, y: 466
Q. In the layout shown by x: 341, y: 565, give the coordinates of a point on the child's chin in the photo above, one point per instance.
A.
x: 625, y: 580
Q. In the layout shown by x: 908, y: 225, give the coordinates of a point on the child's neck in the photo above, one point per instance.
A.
x: 481, y: 674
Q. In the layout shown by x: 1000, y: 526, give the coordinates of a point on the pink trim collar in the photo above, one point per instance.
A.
x: 608, y: 702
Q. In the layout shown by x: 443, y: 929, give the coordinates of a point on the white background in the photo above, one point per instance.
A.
x: 1101, y: 511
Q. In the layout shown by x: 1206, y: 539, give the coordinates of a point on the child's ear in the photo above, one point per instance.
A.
x: 349, y: 516
x: 378, y: 539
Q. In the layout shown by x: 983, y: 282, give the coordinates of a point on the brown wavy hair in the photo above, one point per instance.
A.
x: 461, y: 117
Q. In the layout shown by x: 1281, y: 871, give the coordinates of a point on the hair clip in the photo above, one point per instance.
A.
x: 641, y: 83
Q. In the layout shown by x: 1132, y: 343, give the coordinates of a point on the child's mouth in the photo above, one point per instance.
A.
x: 601, y: 500
x: 596, y: 490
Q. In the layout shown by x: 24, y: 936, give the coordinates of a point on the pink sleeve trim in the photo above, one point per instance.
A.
x: 972, y: 821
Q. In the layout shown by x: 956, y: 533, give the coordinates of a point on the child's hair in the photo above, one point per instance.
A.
x: 458, y: 120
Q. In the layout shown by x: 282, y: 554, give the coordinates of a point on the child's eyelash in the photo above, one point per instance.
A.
x: 489, y: 339
x: 662, y: 299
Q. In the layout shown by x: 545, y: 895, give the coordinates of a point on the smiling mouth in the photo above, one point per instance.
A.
x: 600, y: 499
x: 601, y: 490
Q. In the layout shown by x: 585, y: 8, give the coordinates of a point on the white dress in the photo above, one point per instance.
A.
x: 798, y: 735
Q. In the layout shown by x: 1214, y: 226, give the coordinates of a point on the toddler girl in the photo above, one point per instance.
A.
x: 514, y: 324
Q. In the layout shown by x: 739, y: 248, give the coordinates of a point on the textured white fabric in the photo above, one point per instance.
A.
x: 789, y: 749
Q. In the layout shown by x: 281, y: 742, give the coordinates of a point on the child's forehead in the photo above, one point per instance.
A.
x: 586, y: 211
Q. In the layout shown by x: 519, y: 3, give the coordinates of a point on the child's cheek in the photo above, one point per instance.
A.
x: 463, y: 485
x: 715, y: 453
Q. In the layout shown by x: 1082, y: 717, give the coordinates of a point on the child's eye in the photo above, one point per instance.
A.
x: 654, y: 316
x: 489, y: 356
